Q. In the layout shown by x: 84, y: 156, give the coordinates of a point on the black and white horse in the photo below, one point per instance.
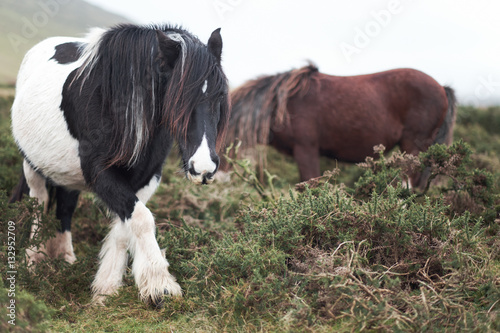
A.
x: 100, y: 114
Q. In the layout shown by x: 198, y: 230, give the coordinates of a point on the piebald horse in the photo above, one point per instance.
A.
x: 100, y: 114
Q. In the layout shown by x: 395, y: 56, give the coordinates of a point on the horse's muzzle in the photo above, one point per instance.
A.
x: 202, y: 178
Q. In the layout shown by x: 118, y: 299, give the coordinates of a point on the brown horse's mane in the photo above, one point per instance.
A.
x: 261, y: 104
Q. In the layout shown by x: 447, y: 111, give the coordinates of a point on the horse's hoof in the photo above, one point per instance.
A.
x: 98, y: 300
x: 165, y: 286
x: 34, y: 256
x: 158, y: 302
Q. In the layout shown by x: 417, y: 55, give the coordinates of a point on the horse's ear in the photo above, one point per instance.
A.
x: 215, y: 44
x: 169, y: 49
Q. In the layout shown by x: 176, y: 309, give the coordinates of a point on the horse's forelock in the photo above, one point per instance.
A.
x: 176, y: 37
x: 225, y: 112
x: 185, y: 87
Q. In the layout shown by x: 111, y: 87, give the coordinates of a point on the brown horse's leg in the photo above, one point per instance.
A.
x: 419, y: 180
x: 414, y: 146
x: 307, y: 158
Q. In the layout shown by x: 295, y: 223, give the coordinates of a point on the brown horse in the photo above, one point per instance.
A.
x: 307, y: 114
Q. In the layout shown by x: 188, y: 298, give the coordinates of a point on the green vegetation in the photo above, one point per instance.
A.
x: 352, y: 251
x: 25, y: 23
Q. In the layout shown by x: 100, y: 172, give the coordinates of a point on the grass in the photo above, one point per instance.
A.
x: 353, y: 251
x: 25, y: 23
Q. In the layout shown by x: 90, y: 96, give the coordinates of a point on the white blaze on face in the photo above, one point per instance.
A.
x: 205, y: 86
x: 201, y: 162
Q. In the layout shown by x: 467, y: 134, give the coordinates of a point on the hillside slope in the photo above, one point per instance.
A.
x: 25, y: 23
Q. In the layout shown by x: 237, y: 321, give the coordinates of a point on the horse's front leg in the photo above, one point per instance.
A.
x: 307, y: 158
x: 113, y: 259
x: 150, y: 267
x: 133, y: 229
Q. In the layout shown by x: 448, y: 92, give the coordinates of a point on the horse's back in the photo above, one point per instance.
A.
x: 419, y: 92
x: 354, y: 113
x: 406, y: 88
x: 397, y: 90
x: 38, y: 123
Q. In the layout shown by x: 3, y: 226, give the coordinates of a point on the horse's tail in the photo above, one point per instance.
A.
x: 261, y: 104
x: 444, y: 136
x: 20, y: 190
x: 445, y: 133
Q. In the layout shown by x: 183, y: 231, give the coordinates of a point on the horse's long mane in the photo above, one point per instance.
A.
x: 124, y: 64
x: 260, y: 105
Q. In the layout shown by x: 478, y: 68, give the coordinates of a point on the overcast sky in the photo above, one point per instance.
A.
x: 455, y: 41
